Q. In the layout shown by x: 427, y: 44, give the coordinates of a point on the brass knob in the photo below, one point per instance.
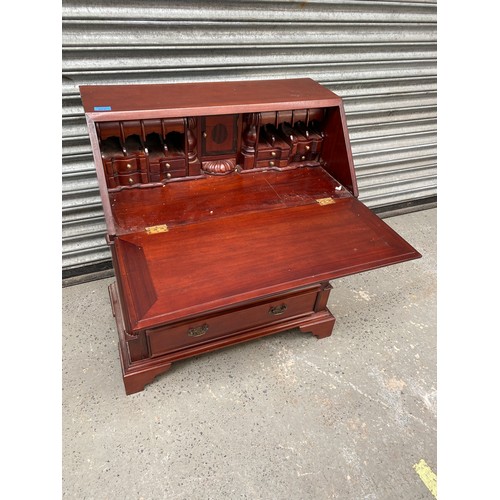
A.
x: 302, y: 158
x: 271, y: 163
x: 308, y: 148
x: 130, y: 180
x: 129, y: 166
x: 205, y: 135
x: 169, y: 175
x: 273, y: 153
x: 167, y: 165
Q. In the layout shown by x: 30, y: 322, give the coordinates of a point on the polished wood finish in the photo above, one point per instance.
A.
x: 229, y: 208
x: 216, y: 250
x: 202, y: 99
x: 216, y: 196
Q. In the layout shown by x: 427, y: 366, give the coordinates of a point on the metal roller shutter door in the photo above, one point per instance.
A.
x: 379, y: 56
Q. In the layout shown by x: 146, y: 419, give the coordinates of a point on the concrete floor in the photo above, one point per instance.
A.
x: 284, y: 417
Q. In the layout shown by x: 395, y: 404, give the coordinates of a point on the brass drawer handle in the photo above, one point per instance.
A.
x: 198, y: 331
x: 278, y: 309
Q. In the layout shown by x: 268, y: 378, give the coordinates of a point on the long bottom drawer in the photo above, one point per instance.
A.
x: 167, y: 339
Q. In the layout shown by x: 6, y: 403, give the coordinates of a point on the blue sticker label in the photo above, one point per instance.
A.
x: 102, y: 108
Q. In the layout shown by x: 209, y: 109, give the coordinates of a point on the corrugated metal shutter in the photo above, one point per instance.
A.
x: 379, y: 56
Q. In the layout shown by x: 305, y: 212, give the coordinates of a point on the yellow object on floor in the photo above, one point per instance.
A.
x: 427, y: 476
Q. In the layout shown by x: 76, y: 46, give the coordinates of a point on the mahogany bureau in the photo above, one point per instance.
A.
x: 229, y: 207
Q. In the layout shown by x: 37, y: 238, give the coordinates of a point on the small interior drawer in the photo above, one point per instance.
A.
x: 125, y: 165
x: 270, y: 163
x: 268, y: 154
x: 172, y: 164
x: 172, y: 338
x: 166, y: 175
x: 131, y: 179
x: 303, y: 147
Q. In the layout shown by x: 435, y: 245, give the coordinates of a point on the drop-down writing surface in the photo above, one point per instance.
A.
x: 221, y: 261
x: 217, y: 196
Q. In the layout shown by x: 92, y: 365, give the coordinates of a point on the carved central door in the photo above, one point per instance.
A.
x: 219, y: 135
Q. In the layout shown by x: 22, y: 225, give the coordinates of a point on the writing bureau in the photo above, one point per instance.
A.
x: 229, y: 207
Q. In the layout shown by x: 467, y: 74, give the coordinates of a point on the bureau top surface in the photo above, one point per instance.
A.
x: 102, y: 102
x: 215, y: 262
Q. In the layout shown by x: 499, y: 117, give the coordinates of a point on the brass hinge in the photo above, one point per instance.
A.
x: 325, y: 201
x: 161, y: 228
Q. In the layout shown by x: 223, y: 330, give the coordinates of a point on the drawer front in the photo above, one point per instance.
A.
x: 131, y: 179
x: 303, y: 147
x: 306, y: 157
x: 125, y: 165
x: 270, y: 163
x: 169, y: 174
x: 168, y: 339
x: 268, y: 154
x: 168, y: 164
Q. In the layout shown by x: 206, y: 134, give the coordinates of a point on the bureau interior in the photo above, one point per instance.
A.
x: 155, y: 151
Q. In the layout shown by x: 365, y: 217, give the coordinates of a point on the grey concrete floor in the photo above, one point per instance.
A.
x: 283, y: 417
